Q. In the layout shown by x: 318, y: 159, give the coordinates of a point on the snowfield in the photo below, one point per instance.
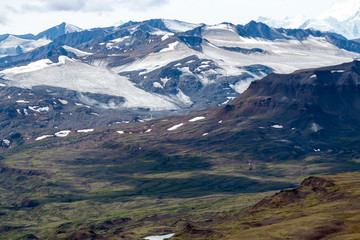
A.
x: 81, y: 77
x: 179, y: 26
x: 171, y: 47
x: 8, y: 46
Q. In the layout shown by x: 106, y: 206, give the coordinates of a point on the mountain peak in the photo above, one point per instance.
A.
x: 342, y: 10
x: 58, y: 30
x: 342, y: 18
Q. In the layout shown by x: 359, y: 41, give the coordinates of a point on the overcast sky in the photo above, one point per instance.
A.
x: 24, y: 16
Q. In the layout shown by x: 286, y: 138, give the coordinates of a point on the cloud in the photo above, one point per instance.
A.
x: 3, y: 18
x: 65, y: 5
x: 140, y: 5
x: 91, y: 5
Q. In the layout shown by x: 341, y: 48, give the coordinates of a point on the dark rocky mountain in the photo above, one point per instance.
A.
x: 321, y: 103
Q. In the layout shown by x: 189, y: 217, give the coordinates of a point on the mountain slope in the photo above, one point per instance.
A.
x: 320, y: 208
x: 12, y: 45
x: 155, y: 177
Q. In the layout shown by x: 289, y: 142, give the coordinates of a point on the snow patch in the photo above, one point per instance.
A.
x: 77, y: 52
x: 120, y: 132
x: 165, y: 37
x: 120, y: 40
x: 196, y: 119
x: 85, y: 130
x: 338, y: 71
x: 164, y: 80
x: 313, y: 76
x: 39, y: 109
x: 205, y: 134
x: 64, y: 102
x: 6, y: 142
x: 316, y: 127
x: 82, y: 105
x: 160, y: 237
x: 31, y: 67
x: 63, y: 133
x: 175, y: 127
x: 171, y: 47
x: 183, y: 97
x: 157, y: 85
x: 22, y: 101
x: 241, y: 86
x: 148, y: 131
x: 277, y: 126
x: 43, y: 137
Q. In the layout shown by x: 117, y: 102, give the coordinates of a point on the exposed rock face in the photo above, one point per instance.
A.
x: 311, y: 185
x: 319, y: 93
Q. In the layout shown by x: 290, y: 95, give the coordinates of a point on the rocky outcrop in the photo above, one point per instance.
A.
x: 311, y: 185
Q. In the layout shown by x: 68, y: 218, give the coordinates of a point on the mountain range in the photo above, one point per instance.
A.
x: 199, y: 175
x: 163, y: 127
x: 157, y: 67
x: 343, y: 17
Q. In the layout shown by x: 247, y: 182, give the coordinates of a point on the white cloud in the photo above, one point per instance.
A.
x: 3, y: 18
x: 65, y: 5
x: 23, y: 16
x: 143, y: 4
x: 91, y: 5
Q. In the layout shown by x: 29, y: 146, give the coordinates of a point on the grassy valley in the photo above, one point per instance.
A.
x: 197, y: 174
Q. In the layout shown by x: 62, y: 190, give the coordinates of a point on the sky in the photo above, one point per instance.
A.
x: 24, y: 16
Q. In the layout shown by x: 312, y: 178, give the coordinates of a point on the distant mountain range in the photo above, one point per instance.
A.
x: 18, y: 44
x: 342, y: 18
x: 155, y: 67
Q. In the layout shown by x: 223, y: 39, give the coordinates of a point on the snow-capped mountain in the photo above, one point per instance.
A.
x: 58, y: 30
x: 12, y: 45
x: 342, y: 18
x: 15, y: 45
x: 288, y: 22
x: 168, y: 65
